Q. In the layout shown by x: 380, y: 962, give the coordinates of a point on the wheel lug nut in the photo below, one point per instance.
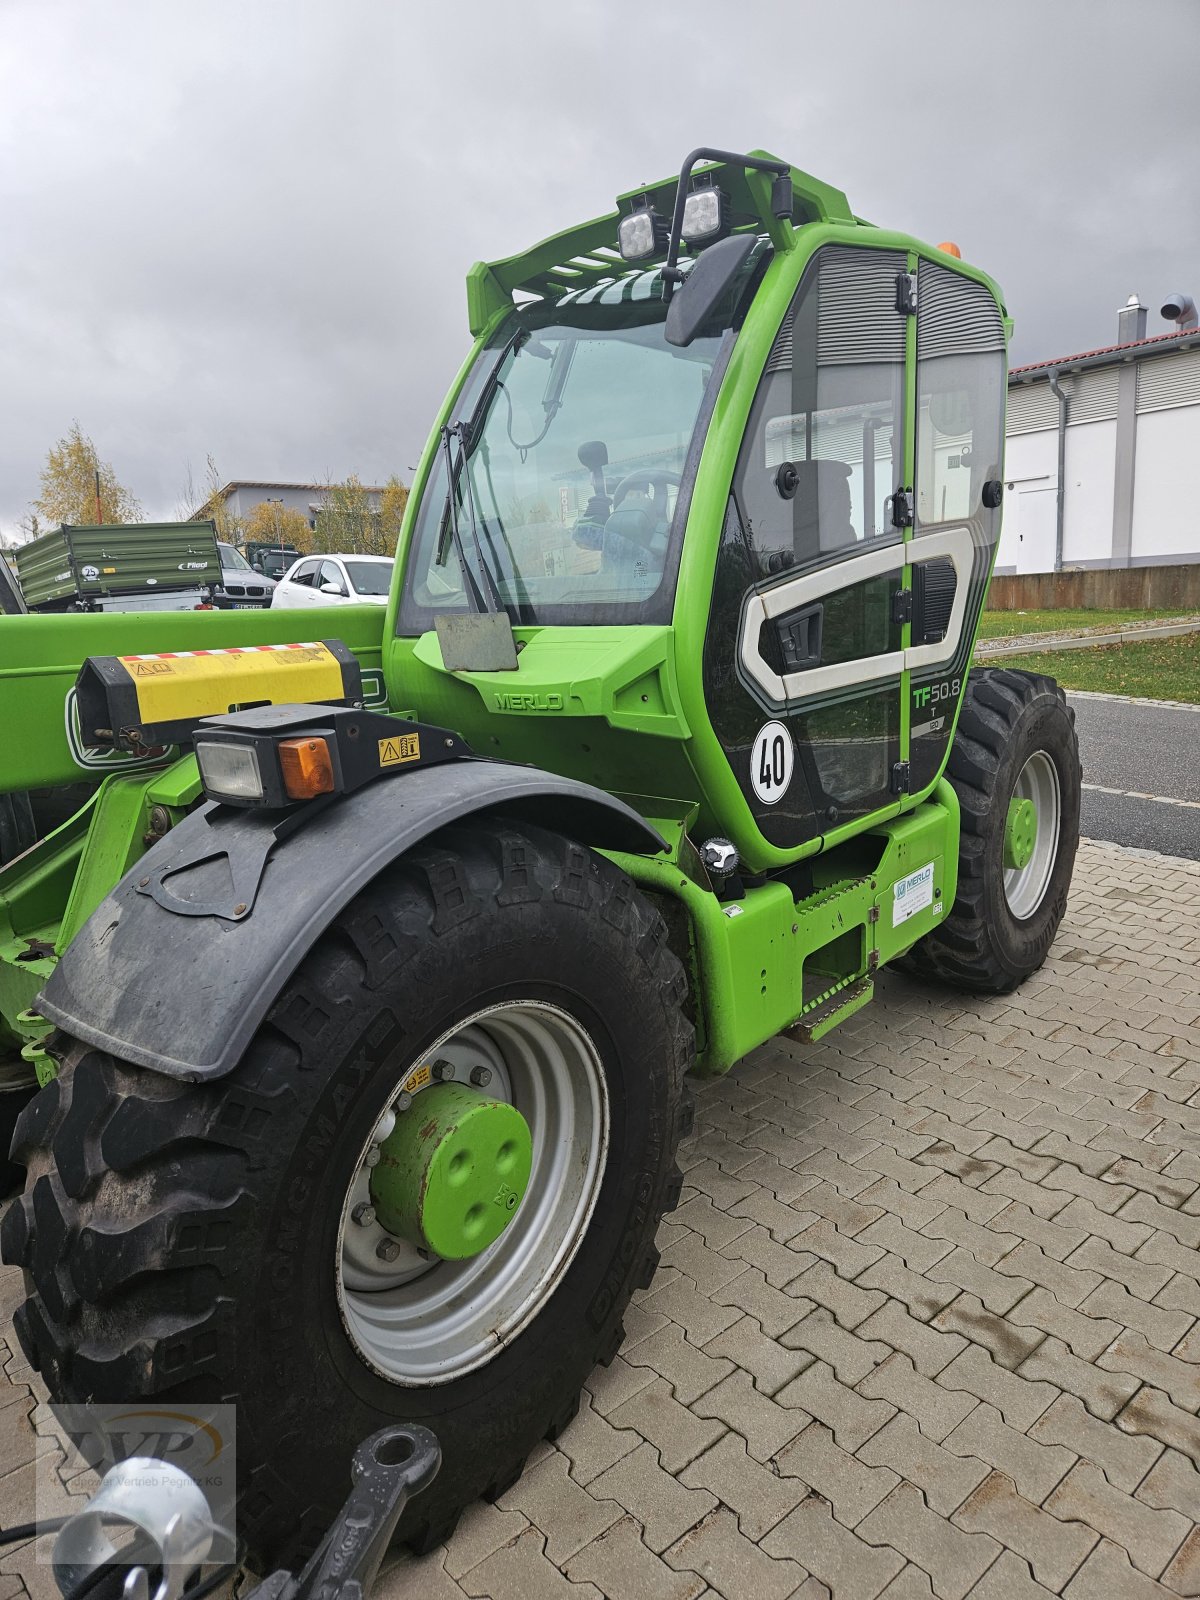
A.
x: 481, y: 1076
x: 363, y: 1214
x: 402, y: 1102
x: 442, y: 1070
x: 371, y: 1159
x: 387, y: 1250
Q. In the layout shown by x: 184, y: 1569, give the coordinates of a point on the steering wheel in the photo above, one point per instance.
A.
x: 652, y: 480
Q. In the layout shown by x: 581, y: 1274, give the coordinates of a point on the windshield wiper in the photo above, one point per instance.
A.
x: 484, y: 597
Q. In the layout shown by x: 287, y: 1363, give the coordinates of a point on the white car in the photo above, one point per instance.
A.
x: 334, y: 581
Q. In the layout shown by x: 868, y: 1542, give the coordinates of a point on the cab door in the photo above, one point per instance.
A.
x: 961, y: 385
x: 804, y: 656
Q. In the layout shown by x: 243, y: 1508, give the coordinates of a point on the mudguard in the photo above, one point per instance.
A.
x: 177, y: 966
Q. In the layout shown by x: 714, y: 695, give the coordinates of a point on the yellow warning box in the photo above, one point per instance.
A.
x: 135, y: 701
x: 402, y: 747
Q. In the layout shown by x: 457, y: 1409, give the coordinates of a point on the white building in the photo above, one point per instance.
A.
x: 1102, y: 453
x: 241, y: 496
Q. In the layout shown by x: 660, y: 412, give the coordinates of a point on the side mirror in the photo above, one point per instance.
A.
x: 329, y: 587
x: 705, y: 286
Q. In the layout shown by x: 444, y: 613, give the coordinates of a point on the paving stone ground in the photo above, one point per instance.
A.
x: 926, y: 1319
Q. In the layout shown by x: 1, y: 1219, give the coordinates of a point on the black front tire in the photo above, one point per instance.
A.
x: 12, y: 1103
x: 179, y: 1240
x: 18, y: 829
x: 1006, y: 718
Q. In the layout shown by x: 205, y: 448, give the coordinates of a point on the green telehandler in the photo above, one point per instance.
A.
x: 365, y: 979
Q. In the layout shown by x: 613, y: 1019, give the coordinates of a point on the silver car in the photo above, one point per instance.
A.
x: 241, y: 587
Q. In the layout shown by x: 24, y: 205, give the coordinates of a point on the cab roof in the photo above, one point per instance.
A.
x: 583, y: 256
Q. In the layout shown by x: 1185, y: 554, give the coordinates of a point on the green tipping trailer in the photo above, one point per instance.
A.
x: 90, y: 568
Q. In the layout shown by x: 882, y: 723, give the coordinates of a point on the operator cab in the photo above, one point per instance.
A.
x: 819, y: 403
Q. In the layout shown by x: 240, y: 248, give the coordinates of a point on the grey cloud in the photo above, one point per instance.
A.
x: 242, y: 226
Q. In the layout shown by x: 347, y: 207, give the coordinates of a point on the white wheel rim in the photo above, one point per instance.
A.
x: 422, y: 1322
x: 1025, y: 887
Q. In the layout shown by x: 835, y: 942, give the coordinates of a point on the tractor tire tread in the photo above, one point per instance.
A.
x: 127, y: 1267
x: 963, y: 952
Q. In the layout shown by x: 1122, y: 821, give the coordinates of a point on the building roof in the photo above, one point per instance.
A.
x: 234, y: 484
x: 1109, y: 354
x: 273, y: 483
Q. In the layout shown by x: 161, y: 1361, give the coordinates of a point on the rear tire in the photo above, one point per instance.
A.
x: 181, y: 1241
x: 1016, y: 734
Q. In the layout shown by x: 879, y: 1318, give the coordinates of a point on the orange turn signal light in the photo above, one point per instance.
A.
x: 949, y: 248
x: 306, y: 767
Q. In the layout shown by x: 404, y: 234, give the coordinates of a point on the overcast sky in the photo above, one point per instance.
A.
x: 241, y: 227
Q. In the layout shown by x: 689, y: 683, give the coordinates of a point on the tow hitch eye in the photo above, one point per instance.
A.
x: 453, y: 1171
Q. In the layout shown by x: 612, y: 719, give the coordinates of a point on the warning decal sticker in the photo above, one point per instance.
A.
x: 400, y: 747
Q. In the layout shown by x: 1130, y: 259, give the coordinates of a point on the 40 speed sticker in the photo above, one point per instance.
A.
x: 772, y: 761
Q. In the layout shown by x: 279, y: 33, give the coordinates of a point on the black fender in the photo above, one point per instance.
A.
x: 178, y: 966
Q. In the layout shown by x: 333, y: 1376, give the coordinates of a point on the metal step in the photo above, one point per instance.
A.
x: 828, y: 1013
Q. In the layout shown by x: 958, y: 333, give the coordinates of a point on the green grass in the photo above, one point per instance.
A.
x: 1160, y: 669
x: 1003, y: 624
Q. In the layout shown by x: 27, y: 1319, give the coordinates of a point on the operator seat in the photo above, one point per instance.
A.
x: 635, y: 542
x: 821, y: 512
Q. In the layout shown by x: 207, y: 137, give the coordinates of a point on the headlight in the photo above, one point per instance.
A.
x: 229, y: 771
x: 705, y: 215
x: 262, y: 770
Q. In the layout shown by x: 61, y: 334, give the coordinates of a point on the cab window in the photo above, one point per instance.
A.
x: 823, y: 451
x: 960, y: 399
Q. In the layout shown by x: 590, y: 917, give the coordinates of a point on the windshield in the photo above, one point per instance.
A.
x: 370, y: 577
x: 233, y: 559
x: 580, y: 419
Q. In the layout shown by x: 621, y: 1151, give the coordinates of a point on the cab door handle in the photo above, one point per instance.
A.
x: 800, y: 637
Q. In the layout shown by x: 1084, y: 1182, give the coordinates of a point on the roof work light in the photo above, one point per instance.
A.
x: 705, y: 214
x: 643, y: 233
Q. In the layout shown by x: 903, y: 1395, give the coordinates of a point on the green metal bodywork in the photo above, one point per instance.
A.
x: 40, y: 658
x: 620, y: 707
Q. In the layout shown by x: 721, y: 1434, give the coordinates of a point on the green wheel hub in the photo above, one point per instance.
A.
x: 453, y: 1172
x: 1020, y: 833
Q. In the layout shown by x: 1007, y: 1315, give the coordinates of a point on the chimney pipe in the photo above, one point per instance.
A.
x: 1181, y: 310
x: 1131, y: 321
